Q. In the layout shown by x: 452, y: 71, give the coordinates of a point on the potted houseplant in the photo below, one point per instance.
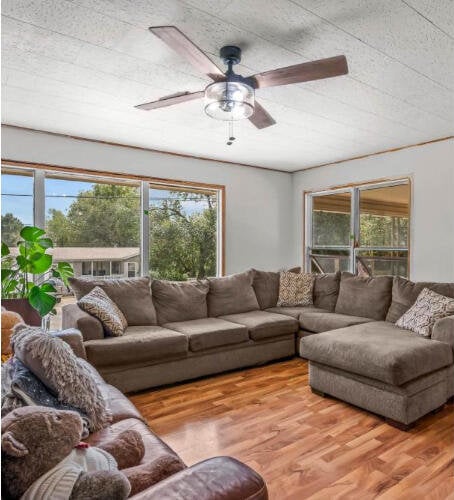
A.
x: 27, y: 276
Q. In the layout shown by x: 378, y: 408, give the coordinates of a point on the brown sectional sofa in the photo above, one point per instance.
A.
x: 179, y: 331
x: 215, y: 478
x: 372, y: 363
x: 355, y: 351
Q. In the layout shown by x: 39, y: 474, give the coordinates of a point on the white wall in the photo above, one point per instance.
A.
x: 431, y: 168
x: 259, y: 226
x: 264, y: 226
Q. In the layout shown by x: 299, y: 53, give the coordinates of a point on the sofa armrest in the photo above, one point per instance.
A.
x: 89, y: 326
x: 220, y: 478
x: 443, y: 330
x: 74, y: 339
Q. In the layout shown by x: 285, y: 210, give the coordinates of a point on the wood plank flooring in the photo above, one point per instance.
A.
x: 305, y: 446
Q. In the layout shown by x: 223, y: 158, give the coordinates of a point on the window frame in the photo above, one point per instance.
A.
x: 39, y: 170
x: 354, y: 247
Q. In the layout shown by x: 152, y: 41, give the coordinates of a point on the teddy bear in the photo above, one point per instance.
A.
x: 9, y: 320
x: 43, y: 457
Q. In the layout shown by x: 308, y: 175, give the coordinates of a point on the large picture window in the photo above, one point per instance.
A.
x: 183, y: 232
x: 116, y: 226
x: 362, y: 229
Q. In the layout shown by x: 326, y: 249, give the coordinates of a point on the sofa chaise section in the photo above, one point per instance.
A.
x: 381, y: 368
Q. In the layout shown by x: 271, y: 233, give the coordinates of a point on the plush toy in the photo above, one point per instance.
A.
x: 9, y: 320
x: 42, y: 457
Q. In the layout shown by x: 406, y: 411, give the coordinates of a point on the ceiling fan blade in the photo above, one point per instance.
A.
x: 170, y: 100
x: 261, y: 118
x: 305, y: 72
x: 179, y: 42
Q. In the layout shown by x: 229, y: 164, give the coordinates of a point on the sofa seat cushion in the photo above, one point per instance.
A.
x: 319, y: 320
x: 138, y: 344
x: 377, y: 350
x: 263, y: 324
x: 293, y: 312
x: 155, y: 448
x: 207, y: 333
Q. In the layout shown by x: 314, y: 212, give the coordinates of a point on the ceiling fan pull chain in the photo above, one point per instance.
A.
x: 231, y: 137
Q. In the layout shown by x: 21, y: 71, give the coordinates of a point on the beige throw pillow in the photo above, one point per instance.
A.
x: 295, y: 289
x: 428, y: 308
x: 98, y: 304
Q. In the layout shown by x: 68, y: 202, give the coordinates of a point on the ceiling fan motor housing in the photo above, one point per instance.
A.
x: 230, y: 54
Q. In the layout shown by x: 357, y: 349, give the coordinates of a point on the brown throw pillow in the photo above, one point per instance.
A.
x: 428, y: 308
x: 98, y: 304
x: 132, y: 296
x: 364, y: 297
x: 295, y: 289
x: 52, y: 361
x: 179, y: 300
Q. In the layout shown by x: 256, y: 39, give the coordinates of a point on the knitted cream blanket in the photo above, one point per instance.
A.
x: 57, y: 484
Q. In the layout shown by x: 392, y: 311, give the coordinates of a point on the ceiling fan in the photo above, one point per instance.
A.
x: 232, y: 96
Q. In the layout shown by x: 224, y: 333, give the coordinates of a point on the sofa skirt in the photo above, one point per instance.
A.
x: 137, y: 378
x: 405, y: 404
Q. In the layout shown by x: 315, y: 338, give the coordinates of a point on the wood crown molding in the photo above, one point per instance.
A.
x: 392, y: 150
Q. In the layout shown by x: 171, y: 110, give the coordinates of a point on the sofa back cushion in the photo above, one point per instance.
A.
x: 266, y: 288
x: 179, y: 300
x: 326, y: 290
x: 365, y: 297
x: 132, y: 296
x: 405, y: 293
x: 232, y: 294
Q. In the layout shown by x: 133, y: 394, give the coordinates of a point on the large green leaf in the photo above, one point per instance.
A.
x: 32, y: 233
x: 22, y: 262
x: 39, y: 263
x: 45, y: 243
x: 41, y: 299
x: 63, y: 271
x: 5, y: 250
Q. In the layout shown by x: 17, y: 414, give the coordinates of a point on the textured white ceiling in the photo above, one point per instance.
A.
x: 78, y: 67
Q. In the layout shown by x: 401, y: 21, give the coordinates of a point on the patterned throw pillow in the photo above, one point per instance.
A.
x: 428, y: 308
x: 100, y: 305
x: 295, y: 289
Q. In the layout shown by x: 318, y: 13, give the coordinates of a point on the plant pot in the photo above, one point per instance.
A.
x: 22, y: 306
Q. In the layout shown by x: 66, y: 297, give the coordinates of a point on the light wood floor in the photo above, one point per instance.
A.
x: 303, y: 445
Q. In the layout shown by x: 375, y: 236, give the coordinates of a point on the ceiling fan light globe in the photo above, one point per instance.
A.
x: 229, y: 101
